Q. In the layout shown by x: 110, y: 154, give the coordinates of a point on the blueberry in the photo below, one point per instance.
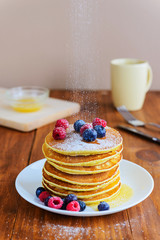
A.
x: 89, y: 135
x: 39, y: 191
x: 78, y: 124
x: 64, y: 204
x: 82, y: 205
x: 103, y: 206
x: 46, y: 201
x: 101, y: 131
x: 70, y: 198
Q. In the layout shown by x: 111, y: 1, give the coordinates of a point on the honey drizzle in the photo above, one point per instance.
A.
x: 123, y: 196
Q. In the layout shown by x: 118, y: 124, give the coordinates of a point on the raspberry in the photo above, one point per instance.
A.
x: 84, y: 127
x: 98, y: 121
x: 78, y: 124
x: 73, y: 206
x: 62, y: 123
x: 59, y: 133
x: 103, y: 206
x: 103, y: 123
x: 43, y: 196
x: 89, y: 135
x: 39, y: 191
x: 101, y: 131
x: 55, y: 202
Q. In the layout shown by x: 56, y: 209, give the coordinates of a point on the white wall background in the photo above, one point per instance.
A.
x: 69, y: 43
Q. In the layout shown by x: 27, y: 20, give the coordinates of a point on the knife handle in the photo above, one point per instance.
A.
x: 134, y: 130
x: 148, y: 136
x: 156, y: 139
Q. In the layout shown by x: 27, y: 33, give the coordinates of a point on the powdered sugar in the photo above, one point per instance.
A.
x: 75, y: 142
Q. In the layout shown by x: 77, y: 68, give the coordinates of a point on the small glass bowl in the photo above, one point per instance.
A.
x: 26, y: 98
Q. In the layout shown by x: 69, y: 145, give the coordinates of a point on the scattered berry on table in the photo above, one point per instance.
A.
x: 103, y: 206
x: 82, y: 205
x: 89, y: 135
x: 43, y: 196
x: 59, y: 133
x: 73, y: 206
x: 98, y: 121
x: 62, y: 123
x: 84, y: 127
x: 69, y: 198
x: 101, y: 131
x: 78, y: 124
x: 39, y: 190
x: 55, y: 202
x: 46, y: 201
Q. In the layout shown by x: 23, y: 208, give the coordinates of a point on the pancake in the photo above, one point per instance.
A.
x: 76, y: 187
x: 108, y: 165
x: 91, y: 160
x: 103, y: 197
x: 79, y: 179
x: 84, y: 194
x: 90, y: 170
x: 74, y: 145
x: 89, y: 199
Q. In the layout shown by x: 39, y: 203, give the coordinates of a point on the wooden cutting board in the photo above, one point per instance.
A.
x: 53, y: 110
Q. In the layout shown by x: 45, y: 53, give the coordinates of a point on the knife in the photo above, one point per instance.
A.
x: 133, y: 130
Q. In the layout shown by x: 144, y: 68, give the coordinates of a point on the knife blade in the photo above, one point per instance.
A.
x: 134, y: 130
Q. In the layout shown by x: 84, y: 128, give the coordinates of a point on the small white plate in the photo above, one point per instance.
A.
x: 141, y: 182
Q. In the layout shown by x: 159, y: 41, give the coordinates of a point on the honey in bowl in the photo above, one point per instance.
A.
x: 27, y: 98
x: 27, y: 105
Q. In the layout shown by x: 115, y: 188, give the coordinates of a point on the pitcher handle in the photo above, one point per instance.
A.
x: 149, y: 79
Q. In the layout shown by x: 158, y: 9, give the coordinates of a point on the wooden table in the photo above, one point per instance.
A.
x: 21, y: 220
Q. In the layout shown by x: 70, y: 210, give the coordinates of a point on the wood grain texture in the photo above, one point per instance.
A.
x: 15, y: 149
x: 21, y: 220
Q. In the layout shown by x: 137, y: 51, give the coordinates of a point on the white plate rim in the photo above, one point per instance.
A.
x: 87, y: 213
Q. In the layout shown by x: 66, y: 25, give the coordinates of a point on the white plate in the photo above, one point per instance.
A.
x: 29, y: 179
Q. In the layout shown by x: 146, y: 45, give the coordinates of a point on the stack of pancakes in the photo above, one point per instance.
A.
x: 90, y: 170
